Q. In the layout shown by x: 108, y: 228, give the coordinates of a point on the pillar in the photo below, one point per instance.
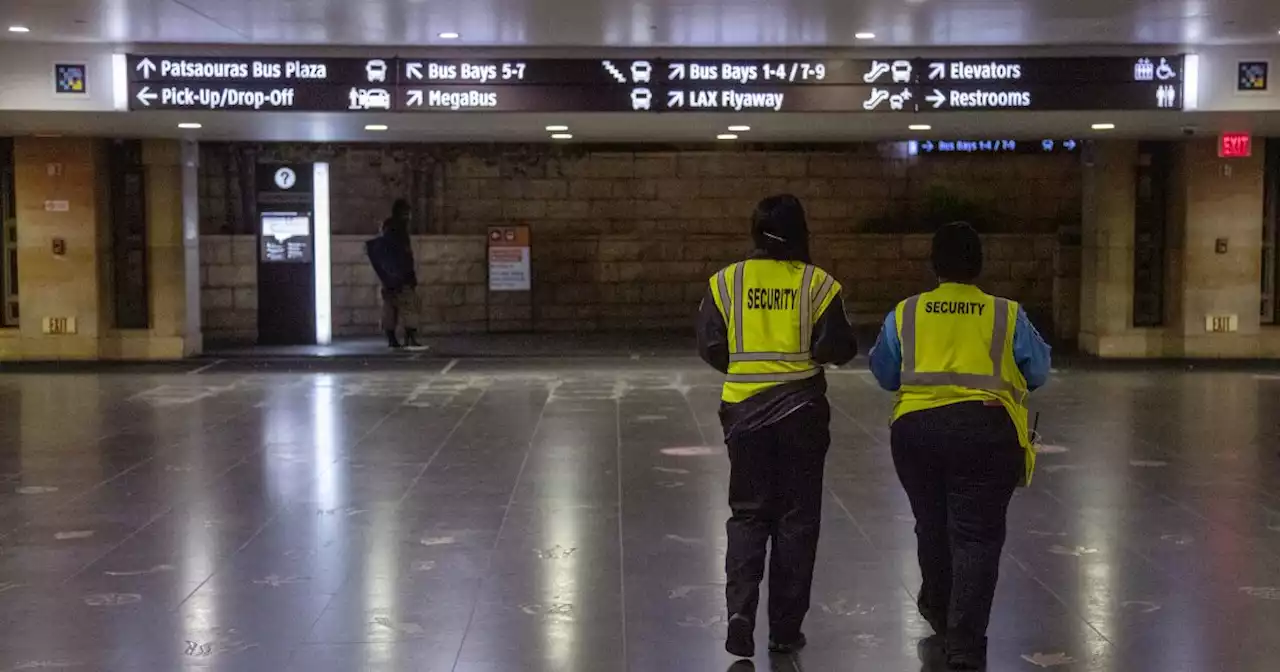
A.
x: 167, y: 336
x: 60, y: 186
x: 1223, y: 202
x: 1212, y: 199
x: 1106, y: 255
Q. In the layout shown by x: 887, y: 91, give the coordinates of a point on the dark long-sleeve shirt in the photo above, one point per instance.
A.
x: 833, y: 343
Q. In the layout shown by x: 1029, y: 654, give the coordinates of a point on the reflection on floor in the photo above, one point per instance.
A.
x: 568, y: 516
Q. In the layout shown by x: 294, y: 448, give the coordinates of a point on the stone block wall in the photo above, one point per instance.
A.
x: 612, y: 282
x: 451, y: 285
x: 229, y: 288
x: 849, y: 190
x: 621, y: 282
x: 625, y: 237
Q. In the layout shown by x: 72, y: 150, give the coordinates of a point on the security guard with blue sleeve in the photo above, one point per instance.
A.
x: 962, y: 363
x: 769, y: 323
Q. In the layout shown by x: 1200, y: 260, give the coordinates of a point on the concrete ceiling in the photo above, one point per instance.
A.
x: 604, y: 128
x: 625, y: 23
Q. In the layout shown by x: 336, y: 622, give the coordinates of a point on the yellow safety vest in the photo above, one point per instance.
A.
x: 957, y: 346
x: 770, y: 308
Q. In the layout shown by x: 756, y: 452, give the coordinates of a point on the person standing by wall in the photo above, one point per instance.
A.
x: 769, y: 323
x: 391, y: 254
x: 962, y: 363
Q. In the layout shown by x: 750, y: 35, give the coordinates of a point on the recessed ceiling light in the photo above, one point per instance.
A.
x: 1103, y: 127
x: 557, y: 128
x: 561, y: 136
x: 190, y: 125
x: 375, y: 127
x: 19, y: 29
x: 449, y: 35
x: 920, y: 127
x: 739, y: 129
x: 865, y: 36
x: 726, y: 136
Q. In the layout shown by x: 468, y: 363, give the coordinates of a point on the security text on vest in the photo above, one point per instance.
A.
x: 955, y: 307
x: 769, y: 298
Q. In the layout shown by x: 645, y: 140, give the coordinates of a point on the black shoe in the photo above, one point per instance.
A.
x: 411, y: 338
x: 932, y: 650
x: 788, y: 646
x: 392, y: 342
x: 742, y: 637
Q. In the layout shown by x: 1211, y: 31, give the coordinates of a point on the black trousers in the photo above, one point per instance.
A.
x: 775, y: 492
x: 959, y: 465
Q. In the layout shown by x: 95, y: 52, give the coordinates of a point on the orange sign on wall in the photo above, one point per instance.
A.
x: 509, y: 259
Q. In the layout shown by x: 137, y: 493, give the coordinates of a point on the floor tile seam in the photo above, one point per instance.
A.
x: 124, y: 472
x: 877, y: 441
x: 1027, y: 571
x: 444, y: 442
x: 154, y: 520
x: 622, y: 540
x: 275, y: 513
x: 502, y: 526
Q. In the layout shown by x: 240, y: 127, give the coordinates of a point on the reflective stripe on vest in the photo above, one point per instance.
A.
x: 726, y: 299
x: 771, y: 377
x: 793, y: 365
x: 734, y: 306
x: 769, y: 357
x: 973, y: 381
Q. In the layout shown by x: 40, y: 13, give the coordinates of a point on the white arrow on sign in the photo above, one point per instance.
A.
x: 415, y: 98
x: 675, y: 71
x: 937, y: 71
x: 146, y: 67
x: 413, y: 70
x: 675, y: 99
x: 145, y: 96
x: 937, y: 98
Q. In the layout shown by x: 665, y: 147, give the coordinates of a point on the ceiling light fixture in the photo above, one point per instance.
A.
x: 561, y: 136
x: 190, y: 125
x: 375, y: 127
x: 557, y: 128
x: 739, y: 129
x: 726, y: 136
x: 449, y: 35
x: 1103, y: 127
x: 920, y: 127
x: 865, y: 36
x: 19, y: 29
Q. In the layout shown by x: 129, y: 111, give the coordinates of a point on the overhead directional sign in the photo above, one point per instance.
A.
x: 400, y: 84
x: 1005, y: 146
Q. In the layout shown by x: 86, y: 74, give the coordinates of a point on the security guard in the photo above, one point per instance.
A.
x: 962, y: 363
x: 770, y: 323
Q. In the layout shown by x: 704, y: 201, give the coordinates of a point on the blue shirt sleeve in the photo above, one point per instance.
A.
x: 886, y: 356
x: 1030, y: 352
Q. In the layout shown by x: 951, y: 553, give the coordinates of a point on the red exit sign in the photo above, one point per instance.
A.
x: 1235, y: 145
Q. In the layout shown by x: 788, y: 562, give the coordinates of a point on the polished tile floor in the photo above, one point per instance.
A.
x: 567, y: 516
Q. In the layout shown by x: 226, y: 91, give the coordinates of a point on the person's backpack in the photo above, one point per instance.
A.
x: 386, y: 263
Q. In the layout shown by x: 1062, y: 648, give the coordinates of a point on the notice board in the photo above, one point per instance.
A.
x: 510, y: 269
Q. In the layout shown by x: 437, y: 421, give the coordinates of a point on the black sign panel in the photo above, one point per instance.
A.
x: 538, y: 71
x: 522, y: 99
x: 654, y: 85
x: 245, y: 70
x: 764, y: 72
x: 1005, y: 146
